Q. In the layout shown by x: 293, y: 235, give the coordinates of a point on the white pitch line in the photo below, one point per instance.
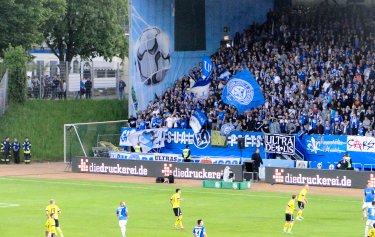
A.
x: 7, y: 205
x: 164, y: 189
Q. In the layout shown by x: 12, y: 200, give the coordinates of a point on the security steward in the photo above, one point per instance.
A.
x: 138, y: 148
x: 348, y: 161
x: 16, y: 150
x: 186, y: 154
x: 6, y: 148
x: 27, y: 150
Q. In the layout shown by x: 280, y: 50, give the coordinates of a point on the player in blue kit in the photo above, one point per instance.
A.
x: 199, y: 230
x: 370, y: 218
x: 369, y: 194
x: 122, y: 215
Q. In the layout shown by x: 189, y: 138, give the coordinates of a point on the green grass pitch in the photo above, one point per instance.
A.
x: 88, y: 209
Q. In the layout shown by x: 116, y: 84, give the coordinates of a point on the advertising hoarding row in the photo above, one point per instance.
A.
x: 153, y: 168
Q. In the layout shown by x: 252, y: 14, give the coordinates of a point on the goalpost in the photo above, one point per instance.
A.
x: 91, y: 139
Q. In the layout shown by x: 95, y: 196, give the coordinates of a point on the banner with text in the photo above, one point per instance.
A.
x: 321, y: 144
x: 361, y: 144
x: 316, y: 177
x: 174, y: 158
x: 280, y: 144
x: 153, y: 168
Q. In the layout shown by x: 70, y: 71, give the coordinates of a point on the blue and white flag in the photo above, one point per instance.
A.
x: 226, y: 129
x: 149, y: 138
x: 243, y: 92
x: 201, y: 89
x: 224, y: 74
x: 197, y: 120
x: 206, y: 67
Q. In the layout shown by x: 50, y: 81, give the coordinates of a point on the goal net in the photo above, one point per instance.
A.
x: 95, y: 139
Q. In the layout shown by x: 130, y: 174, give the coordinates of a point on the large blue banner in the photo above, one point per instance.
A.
x: 200, y: 143
x: 321, y: 144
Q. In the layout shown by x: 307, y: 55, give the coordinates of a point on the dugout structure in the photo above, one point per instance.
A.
x: 94, y: 139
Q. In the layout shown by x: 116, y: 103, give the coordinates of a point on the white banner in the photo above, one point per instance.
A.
x: 172, y: 158
x: 149, y: 138
x: 360, y: 144
x: 279, y: 144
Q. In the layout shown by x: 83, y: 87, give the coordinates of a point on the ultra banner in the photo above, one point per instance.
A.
x: 153, y: 168
x: 279, y: 144
x: 316, y: 177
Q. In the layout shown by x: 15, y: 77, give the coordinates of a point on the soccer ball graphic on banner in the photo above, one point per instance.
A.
x: 152, y: 55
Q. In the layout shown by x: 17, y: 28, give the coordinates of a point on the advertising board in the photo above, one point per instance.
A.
x: 316, y: 177
x: 153, y: 168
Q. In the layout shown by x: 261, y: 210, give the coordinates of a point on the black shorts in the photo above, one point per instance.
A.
x: 289, y: 217
x: 53, y: 235
x: 57, y: 223
x: 301, y: 205
x: 177, y: 211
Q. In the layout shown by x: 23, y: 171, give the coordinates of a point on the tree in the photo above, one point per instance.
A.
x: 19, y: 23
x: 87, y: 28
x: 15, y: 59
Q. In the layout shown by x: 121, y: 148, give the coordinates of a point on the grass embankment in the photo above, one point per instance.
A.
x: 43, y: 122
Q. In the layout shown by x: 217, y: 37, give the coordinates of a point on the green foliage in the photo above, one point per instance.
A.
x: 89, y: 28
x: 225, y: 213
x: 15, y: 60
x: 43, y: 122
x: 19, y: 23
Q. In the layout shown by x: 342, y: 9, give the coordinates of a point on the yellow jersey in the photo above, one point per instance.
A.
x: 290, y: 208
x: 175, y: 199
x: 302, y: 195
x: 52, y: 208
x: 50, y: 226
x: 371, y: 233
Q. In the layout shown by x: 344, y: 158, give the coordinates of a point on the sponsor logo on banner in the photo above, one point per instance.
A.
x: 83, y: 165
x: 280, y: 144
x: 198, y: 173
x: 312, y: 177
x: 92, y: 167
x: 278, y: 176
x: 361, y: 144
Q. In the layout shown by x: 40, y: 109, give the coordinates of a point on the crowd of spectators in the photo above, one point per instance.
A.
x: 48, y: 87
x: 315, y: 65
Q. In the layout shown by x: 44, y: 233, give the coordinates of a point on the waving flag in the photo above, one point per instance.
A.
x: 243, y: 92
x: 206, y: 67
x: 226, y: 129
x: 224, y: 74
x: 201, y: 89
x: 197, y: 120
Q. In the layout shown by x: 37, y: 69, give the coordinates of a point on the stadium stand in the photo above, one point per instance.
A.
x: 315, y: 65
